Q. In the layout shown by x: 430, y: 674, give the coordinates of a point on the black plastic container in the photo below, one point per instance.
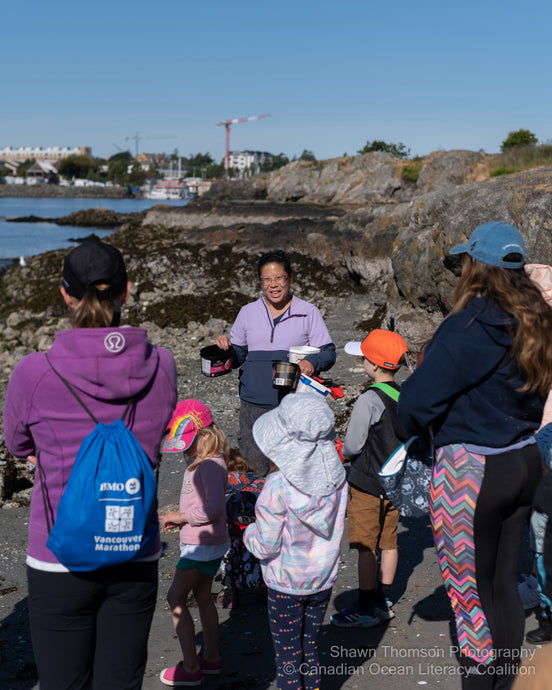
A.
x: 215, y: 361
x: 285, y: 374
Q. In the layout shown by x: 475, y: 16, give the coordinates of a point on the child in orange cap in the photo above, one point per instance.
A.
x: 373, y: 434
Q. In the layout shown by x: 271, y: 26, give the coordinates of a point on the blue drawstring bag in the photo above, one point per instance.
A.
x: 107, y: 514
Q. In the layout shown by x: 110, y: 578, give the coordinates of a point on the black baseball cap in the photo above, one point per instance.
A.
x: 92, y: 263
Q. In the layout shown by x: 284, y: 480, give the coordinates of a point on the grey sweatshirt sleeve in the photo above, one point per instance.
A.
x: 367, y: 411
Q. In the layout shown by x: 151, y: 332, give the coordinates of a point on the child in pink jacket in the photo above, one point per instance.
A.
x: 300, y: 515
x: 203, y: 538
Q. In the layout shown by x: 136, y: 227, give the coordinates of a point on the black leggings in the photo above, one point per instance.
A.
x: 90, y: 630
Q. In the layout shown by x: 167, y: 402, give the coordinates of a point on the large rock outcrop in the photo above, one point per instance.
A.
x: 374, y: 178
x: 424, y: 273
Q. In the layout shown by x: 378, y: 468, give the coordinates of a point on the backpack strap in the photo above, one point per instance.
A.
x: 72, y: 391
x: 393, y: 393
x: 41, y: 476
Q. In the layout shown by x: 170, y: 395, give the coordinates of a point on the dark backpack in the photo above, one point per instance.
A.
x: 107, y: 514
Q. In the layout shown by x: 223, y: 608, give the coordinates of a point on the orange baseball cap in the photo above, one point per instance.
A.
x: 384, y: 348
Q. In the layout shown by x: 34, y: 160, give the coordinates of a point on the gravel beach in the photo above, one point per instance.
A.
x: 412, y: 650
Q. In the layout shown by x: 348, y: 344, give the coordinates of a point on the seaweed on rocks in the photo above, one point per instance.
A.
x: 33, y: 287
x: 100, y: 217
x: 176, y: 311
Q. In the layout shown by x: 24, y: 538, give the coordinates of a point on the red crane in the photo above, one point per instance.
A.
x: 227, y: 124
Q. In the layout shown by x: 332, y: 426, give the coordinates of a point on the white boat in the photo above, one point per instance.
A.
x: 168, y: 190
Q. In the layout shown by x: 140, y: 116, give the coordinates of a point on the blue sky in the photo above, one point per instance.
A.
x: 333, y: 75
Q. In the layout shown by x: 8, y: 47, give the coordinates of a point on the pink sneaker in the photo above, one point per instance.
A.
x: 209, y: 667
x: 177, y: 676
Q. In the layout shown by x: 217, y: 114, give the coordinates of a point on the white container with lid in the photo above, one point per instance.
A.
x: 298, y: 352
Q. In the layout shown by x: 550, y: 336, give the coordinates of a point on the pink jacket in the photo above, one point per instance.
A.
x: 203, y: 501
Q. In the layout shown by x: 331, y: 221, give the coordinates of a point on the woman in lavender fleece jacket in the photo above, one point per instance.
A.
x: 263, y: 332
x: 88, y: 629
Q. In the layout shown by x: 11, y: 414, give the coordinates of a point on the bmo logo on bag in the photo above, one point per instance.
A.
x: 132, y: 486
x: 114, y: 342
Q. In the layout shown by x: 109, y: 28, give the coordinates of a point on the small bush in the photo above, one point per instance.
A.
x: 398, y: 150
x: 503, y: 171
x: 411, y: 173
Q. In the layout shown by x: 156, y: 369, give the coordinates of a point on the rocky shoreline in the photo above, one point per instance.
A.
x: 62, y: 191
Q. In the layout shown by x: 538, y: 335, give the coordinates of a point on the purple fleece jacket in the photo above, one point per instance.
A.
x: 258, y: 341
x: 105, y: 366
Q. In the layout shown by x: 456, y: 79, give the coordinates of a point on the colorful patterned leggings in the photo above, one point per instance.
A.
x: 479, y: 506
x: 295, y: 622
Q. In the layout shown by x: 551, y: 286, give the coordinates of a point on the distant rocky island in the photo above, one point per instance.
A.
x: 63, y: 191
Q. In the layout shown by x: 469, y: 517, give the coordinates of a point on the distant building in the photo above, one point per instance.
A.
x: 41, y: 171
x: 242, y: 160
x: 159, y: 159
x: 11, y: 166
x: 52, y: 153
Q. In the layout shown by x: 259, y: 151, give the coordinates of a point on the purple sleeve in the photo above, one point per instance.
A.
x: 238, y: 333
x: 16, y: 431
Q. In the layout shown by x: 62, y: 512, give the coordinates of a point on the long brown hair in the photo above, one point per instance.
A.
x: 213, y: 444
x: 237, y: 463
x: 515, y: 293
x: 91, y: 311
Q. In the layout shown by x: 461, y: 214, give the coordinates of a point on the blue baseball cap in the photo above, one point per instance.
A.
x: 491, y: 243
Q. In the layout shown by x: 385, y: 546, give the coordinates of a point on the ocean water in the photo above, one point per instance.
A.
x: 27, y: 239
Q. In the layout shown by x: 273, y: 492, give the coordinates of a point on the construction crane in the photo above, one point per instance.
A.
x: 227, y: 124
x: 137, y: 138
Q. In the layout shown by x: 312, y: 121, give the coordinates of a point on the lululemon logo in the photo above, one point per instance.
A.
x: 114, y: 342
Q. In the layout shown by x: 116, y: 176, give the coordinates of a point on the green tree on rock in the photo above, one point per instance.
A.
x: 278, y: 161
x: 522, y: 137
x: 307, y: 155
x: 398, y: 150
